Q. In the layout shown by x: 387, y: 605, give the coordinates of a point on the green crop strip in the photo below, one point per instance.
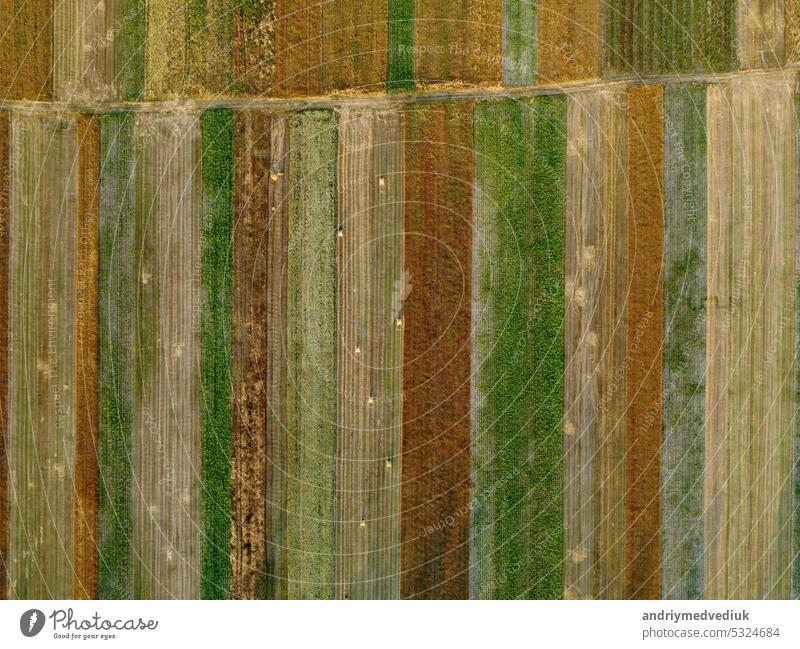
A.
x: 519, y: 42
x: 215, y: 359
x: 684, y: 340
x: 521, y: 160
x: 133, y: 36
x: 209, y: 34
x: 116, y: 305
x: 401, y: 45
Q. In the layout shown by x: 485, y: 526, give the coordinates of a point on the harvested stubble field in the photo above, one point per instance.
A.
x: 433, y: 299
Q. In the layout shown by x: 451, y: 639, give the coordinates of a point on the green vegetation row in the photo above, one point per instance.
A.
x: 520, y: 149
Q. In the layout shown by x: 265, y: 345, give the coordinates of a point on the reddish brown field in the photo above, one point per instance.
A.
x: 298, y: 47
x: 644, y: 343
x: 87, y: 359
x: 249, y: 356
x: 434, y: 558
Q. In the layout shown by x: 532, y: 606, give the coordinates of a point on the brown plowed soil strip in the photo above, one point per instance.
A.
x: 26, y: 49
x: 645, y: 318
x: 252, y: 159
x: 5, y: 127
x: 434, y: 559
x: 86, y: 367
x: 298, y: 47
x: 569, y: 40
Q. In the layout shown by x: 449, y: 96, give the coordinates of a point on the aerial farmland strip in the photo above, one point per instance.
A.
x: 26, y: 49
x: 684, y: 340
x: 643, y: 353
x: 80, y: 44
x: 5, y: 170
x: 795, y: 594
x: 569, y: 40
x: 87, y: 359
x: 126, y: 58
x: 311, y: 341
x: 209, y: 27
x: 594, y: 345
x: 42, y: 358
x: 216, y: 277
x: 165, y: 49
x: 458, y: 42
x: 298, y: 47
x: 331, y: 45
x: 371, y: 290
x: 354, y: 45
x: 435, y: 492
x: 253, y: 49
x: 167, y: 417
x: 117, y: 293
x: 249, y: 361
x: 99, y: 50
x: 642, y: 38
x: 277, y: 268
x: 760, y: 33
x: 400, y: 63
x: 518, y: 353
x: 751, y: 326
x: 519, y: 42
x: 187, y: 48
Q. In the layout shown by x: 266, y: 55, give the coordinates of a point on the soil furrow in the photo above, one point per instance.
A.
x: 436, y: 354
